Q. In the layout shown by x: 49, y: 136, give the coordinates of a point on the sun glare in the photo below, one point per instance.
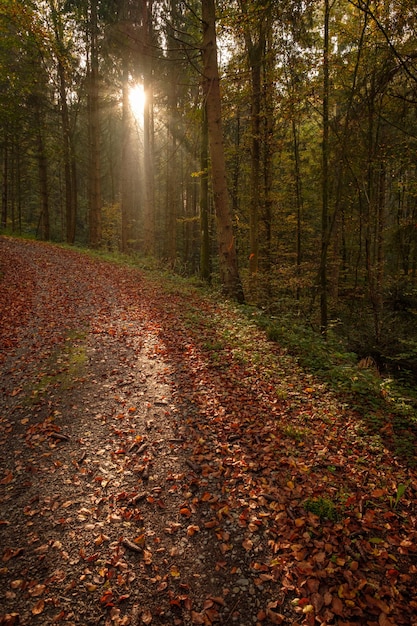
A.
x: 137, y: 101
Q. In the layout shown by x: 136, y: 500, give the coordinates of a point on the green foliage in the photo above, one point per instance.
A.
x: 394, y: 501
x: 380, y: 400
x: 324, y: 508
x: 111, y: 226
x: 295, y: 432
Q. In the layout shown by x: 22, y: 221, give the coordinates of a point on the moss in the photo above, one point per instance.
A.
x: 324, y: 508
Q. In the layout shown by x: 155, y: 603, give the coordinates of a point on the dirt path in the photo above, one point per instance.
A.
x: 141, y: 484
x: 95, y: 493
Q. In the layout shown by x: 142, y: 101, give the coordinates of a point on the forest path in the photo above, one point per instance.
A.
x: 159, y: 458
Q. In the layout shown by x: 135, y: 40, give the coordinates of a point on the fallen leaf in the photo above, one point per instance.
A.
x: 38, y: 608
x: 7, y: 479
x: 146, y: 617
x: 37, y: 590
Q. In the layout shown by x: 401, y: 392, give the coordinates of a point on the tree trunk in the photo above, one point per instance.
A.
x: 229, y: 273
x: 5, y: 190
x: 94, y: 134
x: 325, y: 174
x: 68, y: 149
x: 69, y: 162
x: 43, y: 223
x: 255, y: 61
x: 205, y: 268
x: 148, y: 132
x: 298, y: 200
x: 126, y: 192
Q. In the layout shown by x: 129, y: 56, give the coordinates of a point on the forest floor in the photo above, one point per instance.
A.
x: 163, y: 463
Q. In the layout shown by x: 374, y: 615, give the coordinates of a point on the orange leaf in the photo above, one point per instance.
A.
x: 247, y: 544
x: 38, y: 608
x: 37, y: 590
x: 147, y: 557
x: 211, y: 524
x: 146, y: 617
x: 185, y: 511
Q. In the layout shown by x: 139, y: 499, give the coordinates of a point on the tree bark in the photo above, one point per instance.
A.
x: 5, y: 190
x: 229, y: 273
x: 126, y: 177
x: 205, y: 267
x: 68, y: 148
x: 94, y: 134
x: 325, y: 174
x: 148, y: 133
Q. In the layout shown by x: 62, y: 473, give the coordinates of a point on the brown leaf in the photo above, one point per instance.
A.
x: 275, y: 618
x: 7, y: 479
x: 197, y: 618
x: 10, y: 553
x: 337, y: 606
x: 247, y: 544
x: 192, y: 529
x: 146, y: 617
x: 10, y: 619
x: 37, y: 590
x: 38, y: 608
x: 377, y: 603
x: 132, y: 546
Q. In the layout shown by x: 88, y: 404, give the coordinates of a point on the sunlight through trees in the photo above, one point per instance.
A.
x: 301, y: 198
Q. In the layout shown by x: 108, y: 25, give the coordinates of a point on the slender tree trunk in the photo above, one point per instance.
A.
x: 229, y: 273
x: 69, y: 162
x: 5, y: 189
x: 94, y: 134
x: 126, y: 192
x: 148, y: 132
x: 205, y: 266
x: 172, y: 161
x: 255, y: 49
x: 43, y: 223
x: 268, y: 158
x: 325, y: 174
x: 379, y: 254
x: 68, y: 149
x: 255, y: 61
x: 298, y: 199
x: 171, y: 204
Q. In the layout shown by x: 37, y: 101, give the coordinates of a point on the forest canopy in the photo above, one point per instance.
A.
x: 266, y: 145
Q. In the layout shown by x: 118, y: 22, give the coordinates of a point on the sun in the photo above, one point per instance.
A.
x: 137, y: 101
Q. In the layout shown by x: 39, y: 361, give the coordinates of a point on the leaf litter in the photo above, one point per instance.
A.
x: 166, y: 464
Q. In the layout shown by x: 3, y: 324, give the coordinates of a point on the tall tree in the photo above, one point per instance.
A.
x: 148, y: 130
x: 256, y: 23
x: 63, y: 62
x: 94, y: 196
x: 229, y: 273
x: 325, y: 171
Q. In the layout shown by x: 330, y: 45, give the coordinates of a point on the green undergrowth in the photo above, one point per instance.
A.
x: 383, y: 402
x: 324, y: 508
